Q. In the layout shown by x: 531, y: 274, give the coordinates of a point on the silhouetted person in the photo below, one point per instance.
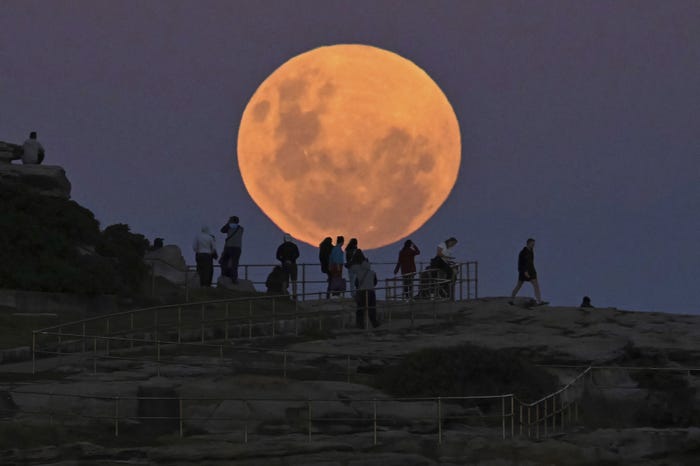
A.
x: 232, y: 249
x: 586, y: 302
x: 287, y: 254
x: 444, y: 258
x: 324, y: 254
x: 277, y: 281
x: 366, y: 297
x: 526, y: 271
x: 335, y: 267
x: 350, y: 251
x: 204, y: 246
x: 157, y: 244
x: 407, y: 265
x: 32, y: 150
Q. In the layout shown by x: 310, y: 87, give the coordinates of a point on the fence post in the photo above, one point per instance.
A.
x: 520, y: 419
x: 439, y: 420
x: 226, y: 324
x: 250, y: 319
x: 537, y: 420
x: 529, y: 422
x: 476, y: 279
x: 155, y: 323
x: 308, y: 405
x: 512, y: 417
x: 303, y: 281
x: 461, y: 282
x: 284, y: 367
x: 546, y: 421
x: 366, y: 293
x: 33, y: 352
x: 273, y: 317
x: 201, y: 325
x: 503, y: 416
x: 116, y: 416
x: 179, y: 324
x: 187, y: 285
x: 94, y: 357
x: 181, y: 417
x: 374, y: 409
x: 107, y: 339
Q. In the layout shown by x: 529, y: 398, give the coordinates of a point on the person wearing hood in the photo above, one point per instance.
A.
x: 365, y: 296
x: 232, y: 248
x: 287, y: 254
x: 204, y: 246
x: 324, y: 254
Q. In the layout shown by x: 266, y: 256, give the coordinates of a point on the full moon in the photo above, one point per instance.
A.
x: 349, y: 140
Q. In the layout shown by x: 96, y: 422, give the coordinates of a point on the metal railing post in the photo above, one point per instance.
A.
x: 512, y: 417
x: 374, y: 406
x: 187, y: 285
x: 546, y: 421
x: 303, y: 281
x: 250, y: 320
x: 273, y: 317
x: 201, y: 325
x: 476, y: 279
x: 503, y: 416
x: 179, y: 324
x: 94, y: 356
x: 116, y: 416
x: 182, y: 429
x: 284, y: 365
x: 439, y: 420
x: 33, y: 352
x: 537, y: 421
x: 107, y: 339
x: 308, y: 405
x: 226, y: 324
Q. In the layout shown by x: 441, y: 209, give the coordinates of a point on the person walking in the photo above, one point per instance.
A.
x: 406, y: 264
x: 324, y: 254
x: 204, y: 246
x: 527, y: 272
x: 366, y: 297
x: 287, y: 254
x: 232, y: 248
x: 32, y: 150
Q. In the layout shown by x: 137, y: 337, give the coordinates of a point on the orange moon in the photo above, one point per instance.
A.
x: 349, y: 140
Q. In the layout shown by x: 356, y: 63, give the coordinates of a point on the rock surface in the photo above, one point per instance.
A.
x: 49, y: 180
x: 242, y: 409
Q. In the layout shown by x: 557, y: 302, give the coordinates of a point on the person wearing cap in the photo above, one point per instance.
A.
x: 287, y: 254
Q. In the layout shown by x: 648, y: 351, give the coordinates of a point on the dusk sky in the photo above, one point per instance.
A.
x: 580, y: 125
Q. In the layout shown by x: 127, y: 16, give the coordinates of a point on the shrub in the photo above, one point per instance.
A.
x: 465, y: 370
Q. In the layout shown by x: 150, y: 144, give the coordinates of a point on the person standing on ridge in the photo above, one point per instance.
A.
x: 527, y: 272
x: 232, y: 248
x: 350, y: 251
x: 287, y: 254
x: 32, y: 151
x: 204, y: 246
x: 335, y: 266
x: 366, y: 297
x: 324, y: 254
x: 407, y: 265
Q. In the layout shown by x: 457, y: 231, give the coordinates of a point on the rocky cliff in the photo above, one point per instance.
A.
x: 48, y: 180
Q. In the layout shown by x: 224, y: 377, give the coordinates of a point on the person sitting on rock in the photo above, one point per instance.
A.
x: 32, y: 151
x: 277, y: 281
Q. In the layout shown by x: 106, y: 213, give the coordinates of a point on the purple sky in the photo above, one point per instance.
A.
x: 580, y: 124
